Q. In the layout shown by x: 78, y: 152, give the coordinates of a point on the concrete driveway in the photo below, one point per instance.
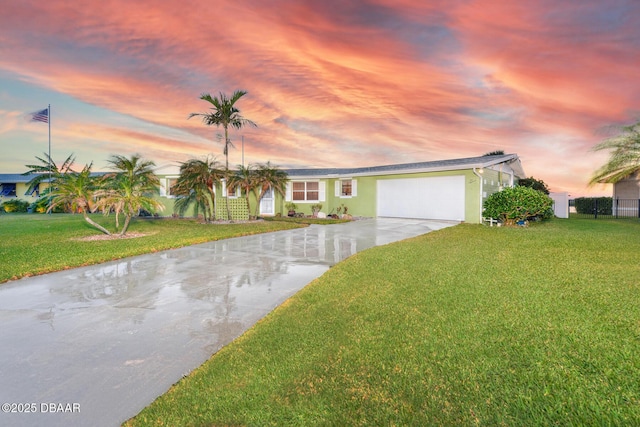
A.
x: 93, y: 346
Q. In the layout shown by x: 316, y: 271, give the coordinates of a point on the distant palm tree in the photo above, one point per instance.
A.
x: 224, y: 113
x: 494, y: 153
x: 75, y: 190
x: 195, y: 186
x: 47, y: 171
x: 624, y: 159
x: 245, y: 179
x: 269, y: 176
x: 129, y: 189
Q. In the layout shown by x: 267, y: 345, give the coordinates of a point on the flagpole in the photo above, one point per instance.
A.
x: 49, y: 122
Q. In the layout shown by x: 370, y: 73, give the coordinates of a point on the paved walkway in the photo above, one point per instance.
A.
x: 92, y: 346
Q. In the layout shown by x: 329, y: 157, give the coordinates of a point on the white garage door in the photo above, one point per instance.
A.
x: 439, y: 197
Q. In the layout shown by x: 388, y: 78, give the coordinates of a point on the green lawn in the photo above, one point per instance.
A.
x: 34, y: 244
x: 468, y: 325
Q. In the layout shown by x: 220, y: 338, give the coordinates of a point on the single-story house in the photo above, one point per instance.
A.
x: 444, y: 189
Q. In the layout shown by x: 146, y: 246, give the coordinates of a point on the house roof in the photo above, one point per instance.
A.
x: 434, y: 166
x: 14, y: 178
x: 511, y: 160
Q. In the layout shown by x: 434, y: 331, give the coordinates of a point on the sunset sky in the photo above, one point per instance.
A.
x: 330, y: 83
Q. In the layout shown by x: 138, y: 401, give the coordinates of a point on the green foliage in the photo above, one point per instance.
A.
x: 591, y: 205
x: 42, y: 204
x: 536, y: 184
x: 290, y: 206
x: 624, y: 156
x: 515, y: 204
x: 494, y: 153
x: 15, y: 205
x: 464, y: 326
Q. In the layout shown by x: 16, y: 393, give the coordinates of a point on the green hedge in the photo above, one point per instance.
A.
x: 513, y: 205
x: 587, y: 205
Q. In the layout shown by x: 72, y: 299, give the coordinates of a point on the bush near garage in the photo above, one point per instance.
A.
x: 15, y: 205
x: 518, y: 204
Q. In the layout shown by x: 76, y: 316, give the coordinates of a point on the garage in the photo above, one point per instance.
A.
x: 441, y: 197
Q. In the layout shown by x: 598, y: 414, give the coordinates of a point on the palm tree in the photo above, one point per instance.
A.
x: 245, y: 179
x: 48, y: 171
x: 269, y: 176
x: 624, y: 158
x: 75, y: 191
x: 224, y: 113
x: 196, y: 184
x: 494, y: 153
x: 129, y: 189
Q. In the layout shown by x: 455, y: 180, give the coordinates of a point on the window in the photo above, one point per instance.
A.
x: 166, y: 186
x: 229, y: 191
x: 346, y: 188
x: 234, y: 192
x: 310, y: 191
x: 8, y: 190
x: 34, y: 191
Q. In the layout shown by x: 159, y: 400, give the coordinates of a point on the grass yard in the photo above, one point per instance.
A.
x: 469, y: 325
x: 35, y: 244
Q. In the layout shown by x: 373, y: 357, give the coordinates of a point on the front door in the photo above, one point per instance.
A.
x: 267, y: 204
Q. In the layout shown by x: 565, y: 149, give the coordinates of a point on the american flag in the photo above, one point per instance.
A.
x: 41, y: 116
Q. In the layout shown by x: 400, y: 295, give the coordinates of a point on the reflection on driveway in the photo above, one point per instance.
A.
x: 114, y: 336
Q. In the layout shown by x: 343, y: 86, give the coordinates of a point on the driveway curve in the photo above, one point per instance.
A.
x: 94, y: 345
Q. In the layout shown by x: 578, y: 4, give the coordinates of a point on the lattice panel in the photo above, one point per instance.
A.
x: 238, y: 208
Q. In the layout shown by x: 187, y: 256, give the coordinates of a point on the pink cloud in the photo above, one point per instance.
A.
x: 339, y: 84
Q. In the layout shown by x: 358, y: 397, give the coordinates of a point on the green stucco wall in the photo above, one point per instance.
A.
x: 365, y: 203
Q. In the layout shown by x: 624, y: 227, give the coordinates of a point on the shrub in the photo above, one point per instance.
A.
x: 41, y: 205
x: 516, y: 204
x: 15, y: 205
x: 587, y: 205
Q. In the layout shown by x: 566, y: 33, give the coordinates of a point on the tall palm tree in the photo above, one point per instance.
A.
x: 224, y: 113
x: 195, y: 186
x: 130, y: 188
x: 245, y: 179
x: 624, y: 159
x: 270, y: 176
x: 75, y: 190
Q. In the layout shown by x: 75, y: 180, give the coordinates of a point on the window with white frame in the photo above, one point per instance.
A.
x: 346, y: 188
x: 230, y: 191
x: 166, y: 185
x: 306, y: 191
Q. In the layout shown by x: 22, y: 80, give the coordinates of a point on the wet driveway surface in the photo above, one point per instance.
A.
x: 94, y: 345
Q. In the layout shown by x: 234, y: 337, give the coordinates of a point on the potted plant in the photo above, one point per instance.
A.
x: 315, y: 209
x: 344, y: 211
x: 291, y: 209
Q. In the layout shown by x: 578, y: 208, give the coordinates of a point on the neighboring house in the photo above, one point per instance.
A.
x: 14, y: 186
x: 626, y: 196
x: 628, y: 188
x: 444, y: 189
